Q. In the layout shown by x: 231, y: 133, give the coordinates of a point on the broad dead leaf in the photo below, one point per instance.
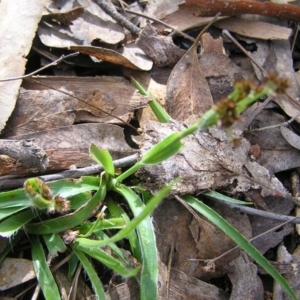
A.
x: 188, y: 94
x: 39, y: 108
x: 18, y: 24
x: 92, y: 25
x: 255, y: 29
x: 129, y: 56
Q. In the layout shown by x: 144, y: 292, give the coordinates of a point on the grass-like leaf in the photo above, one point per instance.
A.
x: 9, y: 226
x: 93, y: 276
x: 160, y: 113
x: 219, y: 196
x: 111, y: 262
x: 54, y: 243
x: 240, y: 240
x: 103, y: 158
x: 43, y: 273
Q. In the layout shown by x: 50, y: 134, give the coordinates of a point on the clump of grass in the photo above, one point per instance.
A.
x: 73, y: 216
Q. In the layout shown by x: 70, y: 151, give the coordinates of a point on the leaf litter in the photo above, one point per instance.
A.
x: 208, y: 161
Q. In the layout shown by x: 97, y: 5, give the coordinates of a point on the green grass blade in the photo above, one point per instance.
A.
x: 108, y: 260
x: 43, y: 273
x: 15, y: 198
x: 93, y: 276
x: 145, y: 230
x: 54, y: 243
x: 103, y: 158
x: 240, y: 240
x: 9, y: 226
x: 6, y: 212
x: 160, y: 113
x: 71, y: 220
x: 219, y: 196
x: 116, y: 210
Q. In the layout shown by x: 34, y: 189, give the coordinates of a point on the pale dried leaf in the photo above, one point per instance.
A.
x: 292, y: 138
x: 255, y: 29
x: 14, y: 271
x: 184, y: 18
x: 93, y: 24
x: 160, y: 8
x: 18, y: 25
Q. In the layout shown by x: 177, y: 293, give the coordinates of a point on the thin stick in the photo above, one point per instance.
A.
x: 7, y: 182
x: 274, y: 126
x: 160, y: 22
x: 111, y: 11
x: 54, y: 63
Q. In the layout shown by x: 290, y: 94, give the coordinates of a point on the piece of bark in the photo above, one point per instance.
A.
x: 41, y: 108
x: 208, y: 161
x: 243, y: 276
x: 23, y: 154
x: 69, y: 145
x: 160, y: 49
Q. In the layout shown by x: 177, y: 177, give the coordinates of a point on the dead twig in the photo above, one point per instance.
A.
x: 111, y: 11
x: 7, y: 182
x: 209, y: 8
x: 54, y: 63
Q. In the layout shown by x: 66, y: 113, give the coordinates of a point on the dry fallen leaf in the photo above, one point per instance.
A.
x: 130, y: 56
x: 92, y: 25
x: 188, y: 94
x: 39, y: 108
x: 18, y: 24
x: 255, y: 29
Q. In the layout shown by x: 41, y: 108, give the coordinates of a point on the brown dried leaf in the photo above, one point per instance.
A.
x: 255, y: 29
x: 188, y: 94
x: 39, y: 108
x: 184, y: 18
x: 219, y: 70
x: 65, y: 18
x: 130, y: 56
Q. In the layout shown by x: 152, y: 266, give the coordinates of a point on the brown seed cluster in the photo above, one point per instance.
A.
x: 226, y: 110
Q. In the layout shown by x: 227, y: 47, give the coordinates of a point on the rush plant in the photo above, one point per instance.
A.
x: 82, y: 218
